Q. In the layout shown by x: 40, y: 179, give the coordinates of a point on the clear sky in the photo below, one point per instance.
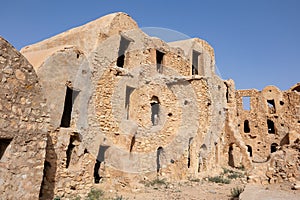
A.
x: 257, y: 42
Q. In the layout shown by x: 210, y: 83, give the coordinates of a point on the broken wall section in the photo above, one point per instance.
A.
x: 266, y: 122
x: 266, y: 125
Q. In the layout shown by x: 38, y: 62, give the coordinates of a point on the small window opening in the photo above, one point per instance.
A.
x: 271, y: 126
x: 159, y: 151
x: 4, y: 142
x: 186, y: 102
x: 200, y: 163
x: 67, y: 113
x: 271, y: 106
x: 70, y: 148
x: 189, y: 153
x: 227, y: 93
x: 246, y: 102
x: 129, y: 91
x: 230, y: 156
x: 97, y: 176
x: 249, y: 149
x: 246, y: 126
x: 195, y: 62
x: 154, y: 110
x: 124, y: 43
x: 274, y: 147
x: 159, y: 61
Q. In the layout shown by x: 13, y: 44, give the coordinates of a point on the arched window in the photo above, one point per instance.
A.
x: 246, y: 126
x: 273, y: 147
x: 159, y: 151
x: 154, y: 110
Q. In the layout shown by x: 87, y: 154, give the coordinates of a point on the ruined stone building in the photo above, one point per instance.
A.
x: 106, y: 104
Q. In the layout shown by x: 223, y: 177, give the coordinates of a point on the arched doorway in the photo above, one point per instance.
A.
x: 273, y: 147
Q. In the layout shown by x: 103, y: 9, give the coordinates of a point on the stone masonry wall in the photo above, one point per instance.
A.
x: 127, y: 107
x: 24, y: 126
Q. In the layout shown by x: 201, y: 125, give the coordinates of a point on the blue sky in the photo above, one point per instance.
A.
x: 257, y: 42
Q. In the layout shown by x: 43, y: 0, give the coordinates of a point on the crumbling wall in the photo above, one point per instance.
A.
x: 24, y: 125
x: 235, y: 150
x: 285, y: 164
x: 266, y: 123
x: 135, y: 108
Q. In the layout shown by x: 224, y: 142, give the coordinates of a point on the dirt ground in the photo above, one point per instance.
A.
x: 205, y: 190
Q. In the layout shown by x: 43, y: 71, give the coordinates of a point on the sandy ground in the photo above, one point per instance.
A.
x: 270, y: 192
x: 204, y: 190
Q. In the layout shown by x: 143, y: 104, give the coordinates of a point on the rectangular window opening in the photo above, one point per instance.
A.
x: 4, y: 142
x: 246, y: 102
x: 271, y: 126
x: 189, y: 153
x: 159, y: 153
x: 68, y: 106
x: 195, y: 62
x: 271, y: 106
x: 124, y: 43
x: 246, y: 126
x: 159, y: 61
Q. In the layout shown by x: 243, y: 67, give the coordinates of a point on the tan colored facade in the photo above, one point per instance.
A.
x: 125, y: 106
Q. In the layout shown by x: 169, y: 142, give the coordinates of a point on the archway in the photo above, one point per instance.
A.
x: 273, y: 147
